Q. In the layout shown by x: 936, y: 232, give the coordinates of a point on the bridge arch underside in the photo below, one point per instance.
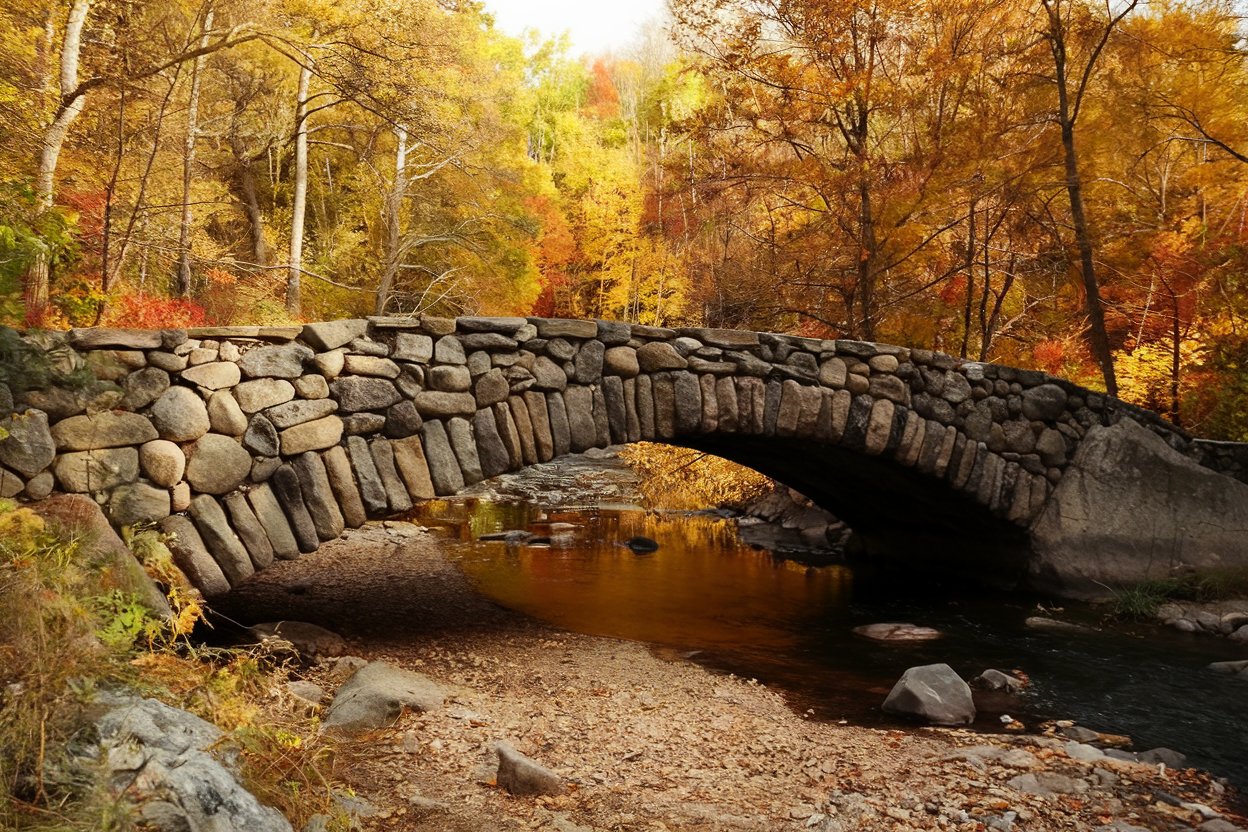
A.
x: 251, y: 444
x: 903, y: 522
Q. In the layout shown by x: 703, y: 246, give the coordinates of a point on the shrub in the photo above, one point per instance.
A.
x: 143, y: 311
x: 27, y: 235
x: 49, y: 648
x: 79, y: 301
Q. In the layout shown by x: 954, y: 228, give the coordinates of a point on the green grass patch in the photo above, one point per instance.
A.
x: 1141, y: 601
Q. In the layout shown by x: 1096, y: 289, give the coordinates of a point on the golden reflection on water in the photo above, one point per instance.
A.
x: 702, y: 589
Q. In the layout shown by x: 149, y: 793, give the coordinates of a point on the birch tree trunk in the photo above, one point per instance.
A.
x: 299, y: 202
x: 183, y: 282
x: 70, y: 107
x: 394, y: 211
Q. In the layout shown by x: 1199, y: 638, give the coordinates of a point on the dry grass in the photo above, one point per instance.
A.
x: 63, y: 637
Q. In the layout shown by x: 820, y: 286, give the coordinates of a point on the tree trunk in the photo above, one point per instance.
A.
x: 299, y: 202
x: 36, y: 281
x: 970, y: 280
x: 1176, y: 358
x: 1098, y: 338
x: 183, y: 281
x: 866, y: 259
x: 394, y: 215
x: 985, y: 327
x: 249, y: 197
x: 110, y: 195
x: 140, y: 198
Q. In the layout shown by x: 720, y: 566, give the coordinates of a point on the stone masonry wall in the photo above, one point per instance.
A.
x: 253, y: 443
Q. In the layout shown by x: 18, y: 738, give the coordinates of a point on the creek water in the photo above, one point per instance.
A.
x: 707, y: 596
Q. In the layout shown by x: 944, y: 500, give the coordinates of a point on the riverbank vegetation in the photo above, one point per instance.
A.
x: 1041, y: 183
x: 1142, y: 601
x: 68, y: 634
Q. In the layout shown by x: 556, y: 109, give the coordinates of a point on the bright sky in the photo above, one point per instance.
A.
x: 594, y: 25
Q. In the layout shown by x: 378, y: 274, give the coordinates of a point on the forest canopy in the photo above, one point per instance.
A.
x: 1058, y: 184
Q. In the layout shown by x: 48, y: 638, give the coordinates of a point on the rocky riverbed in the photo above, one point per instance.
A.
x: 648, y: 741
x: 1227, y: 618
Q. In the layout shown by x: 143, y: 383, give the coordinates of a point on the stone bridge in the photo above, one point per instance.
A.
x: 255, y: 443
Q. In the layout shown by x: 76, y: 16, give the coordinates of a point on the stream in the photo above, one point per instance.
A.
x: 707, y: 596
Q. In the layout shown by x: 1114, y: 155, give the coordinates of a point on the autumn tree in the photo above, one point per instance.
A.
x: 833, y: 135
x: 71, y: 67
x: 1076, y: 35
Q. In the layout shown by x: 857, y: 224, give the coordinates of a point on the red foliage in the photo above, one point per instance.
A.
x: 675, y: 221
x: 35, y: 316
x: 140, y: 311
x: 544, y: 306
x: 89, y: 205
x: 223, y: 304
x: 90, y: 208
x: 953, y: 293
x: 1050, y: 356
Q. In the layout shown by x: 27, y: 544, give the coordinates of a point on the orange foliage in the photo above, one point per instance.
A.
x: 142, y: 311
x: 1050, y: 356
x: 810, y: 328
x: 670, y: 222
x: 603, y: 99
x: 553, y: 250
x: 556, y: 245
x: 953, y: 292
x: 89, y: 206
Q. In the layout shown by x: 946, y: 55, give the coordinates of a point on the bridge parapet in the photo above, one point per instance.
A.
x: 255, y: 443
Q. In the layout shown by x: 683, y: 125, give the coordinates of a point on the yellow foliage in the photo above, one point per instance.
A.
x: 20, y: 529
x: 1145, y: 373
x: 185, y: 600
x: 682, y: 478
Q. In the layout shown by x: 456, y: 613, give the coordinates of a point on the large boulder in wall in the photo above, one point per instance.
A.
x: 1130, y: 508
x: 77, y: 517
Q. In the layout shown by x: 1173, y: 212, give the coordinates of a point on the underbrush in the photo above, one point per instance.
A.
x: 1141, y: 601
x: 682, y: 478
x: 64, y: 636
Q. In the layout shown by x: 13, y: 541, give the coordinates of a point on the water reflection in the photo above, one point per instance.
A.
x: 701, y: 590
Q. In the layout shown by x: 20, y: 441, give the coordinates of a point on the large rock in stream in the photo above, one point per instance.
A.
x: 896, y: 631
x: 932, y: 692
